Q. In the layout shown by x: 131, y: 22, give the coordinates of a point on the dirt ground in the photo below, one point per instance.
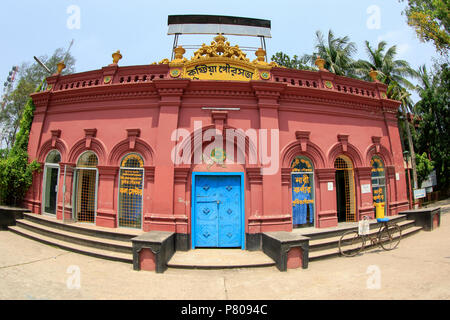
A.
x: 418, y: 269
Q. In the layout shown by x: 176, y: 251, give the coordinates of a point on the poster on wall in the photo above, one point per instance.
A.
x: 302, y: 192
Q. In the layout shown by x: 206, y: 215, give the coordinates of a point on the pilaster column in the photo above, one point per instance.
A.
x: 286, y: 195
x: 327, y: 209
x: 255, y: 181
x: 180, y: 202
x: 107, y: 191
x: 365, y: 200
x: 391, y: 187
x: 149, y: 182
x: 268, y: 96
x: 170, y: 93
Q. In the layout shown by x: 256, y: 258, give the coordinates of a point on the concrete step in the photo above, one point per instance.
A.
x: 118, y: 234
x: 334, y: 252
x: 219, y: 259
x: 333, y: 241
x: 76, y: 238
x: 93, y: 252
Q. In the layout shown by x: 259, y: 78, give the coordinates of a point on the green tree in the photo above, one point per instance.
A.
x: 431, y: 21
x: 434, y: 125
x: 397, y: 92
x: 285, y: 60
x: 336, y: 51
x: 16, y: 173
x: 29, y: 78
x: 394, y: 73
x: 390, y: 70
x: 424, y: 167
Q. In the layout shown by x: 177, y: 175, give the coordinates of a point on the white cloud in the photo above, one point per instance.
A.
x: 397, y: 37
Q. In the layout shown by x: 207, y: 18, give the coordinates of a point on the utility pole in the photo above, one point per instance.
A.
x: 8, y: 85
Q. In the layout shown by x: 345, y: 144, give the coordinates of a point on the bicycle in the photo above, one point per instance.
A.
x: 388, y: 237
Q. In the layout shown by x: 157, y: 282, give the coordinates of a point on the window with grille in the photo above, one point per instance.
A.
x: 86, y: 187
x: 131, y: 185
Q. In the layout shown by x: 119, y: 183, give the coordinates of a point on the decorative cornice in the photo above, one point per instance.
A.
x: 132, y: 134
x: 254, y: 175
x: 181, y: 174
x: 327, y: 174
x: 56, y: 134
x: 343, y: 139
x: 303, y: 139
x: 364, y: 172
x: 376, y: 141
x: 149, y: 172
x: 286, y: 176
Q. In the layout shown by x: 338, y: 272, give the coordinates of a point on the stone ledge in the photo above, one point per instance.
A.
x: 152, y: 250
x: 9, y: 215
x: 428, y: 218
x: 279, y: 245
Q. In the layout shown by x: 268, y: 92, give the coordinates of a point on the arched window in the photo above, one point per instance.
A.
x: 50, y: 183
x: 86, y: 176
x: 378, y: 181
x: 302, y: 176
x: 131, y: 185
x: 345, y: 189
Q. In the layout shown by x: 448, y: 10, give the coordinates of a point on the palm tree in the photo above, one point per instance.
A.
x: 397, y: 92
x: 389, y: 69
x: 394, y: 74
x: 337, y: 53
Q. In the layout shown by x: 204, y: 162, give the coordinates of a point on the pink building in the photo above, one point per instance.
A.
x: 132, y: 147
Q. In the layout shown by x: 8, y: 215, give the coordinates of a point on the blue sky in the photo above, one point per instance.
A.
x: 139, y: 28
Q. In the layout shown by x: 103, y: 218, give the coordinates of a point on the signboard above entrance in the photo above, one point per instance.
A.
x: 210, y: 24
x: 219, y: 61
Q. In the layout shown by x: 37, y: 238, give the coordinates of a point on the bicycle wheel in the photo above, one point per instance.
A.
x: 351, y: 243
x: 390, y: 236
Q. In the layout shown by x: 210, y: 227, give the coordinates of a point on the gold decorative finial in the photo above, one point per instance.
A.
x: 220, y: 38
x: 373, y: 74
x: 261, y: 54
x: 116, y: 57
x: 179, y: 51
x: 61, y: 66
x: 320, y: 63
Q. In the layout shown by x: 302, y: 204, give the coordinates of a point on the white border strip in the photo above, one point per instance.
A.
x: 219, y: 28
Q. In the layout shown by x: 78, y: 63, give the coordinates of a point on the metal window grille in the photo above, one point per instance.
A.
x: 345, y: 164
x: 86, y: 189
x: 131, y: 183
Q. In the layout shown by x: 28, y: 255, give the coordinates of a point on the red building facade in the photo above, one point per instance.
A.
x: 315, y: 148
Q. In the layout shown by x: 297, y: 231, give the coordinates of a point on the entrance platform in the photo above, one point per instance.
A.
x: 219, y: 259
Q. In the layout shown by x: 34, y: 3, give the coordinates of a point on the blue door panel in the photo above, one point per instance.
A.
x: 218, y: 211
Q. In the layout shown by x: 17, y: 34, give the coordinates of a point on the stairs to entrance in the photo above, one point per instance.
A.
x: 324, y: 244
x: 116, y: 244
x: 80, y: 238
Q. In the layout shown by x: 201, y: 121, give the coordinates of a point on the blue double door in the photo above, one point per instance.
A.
x: 218, y: 211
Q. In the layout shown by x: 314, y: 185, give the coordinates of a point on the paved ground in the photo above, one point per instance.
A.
x: 418, y: 269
